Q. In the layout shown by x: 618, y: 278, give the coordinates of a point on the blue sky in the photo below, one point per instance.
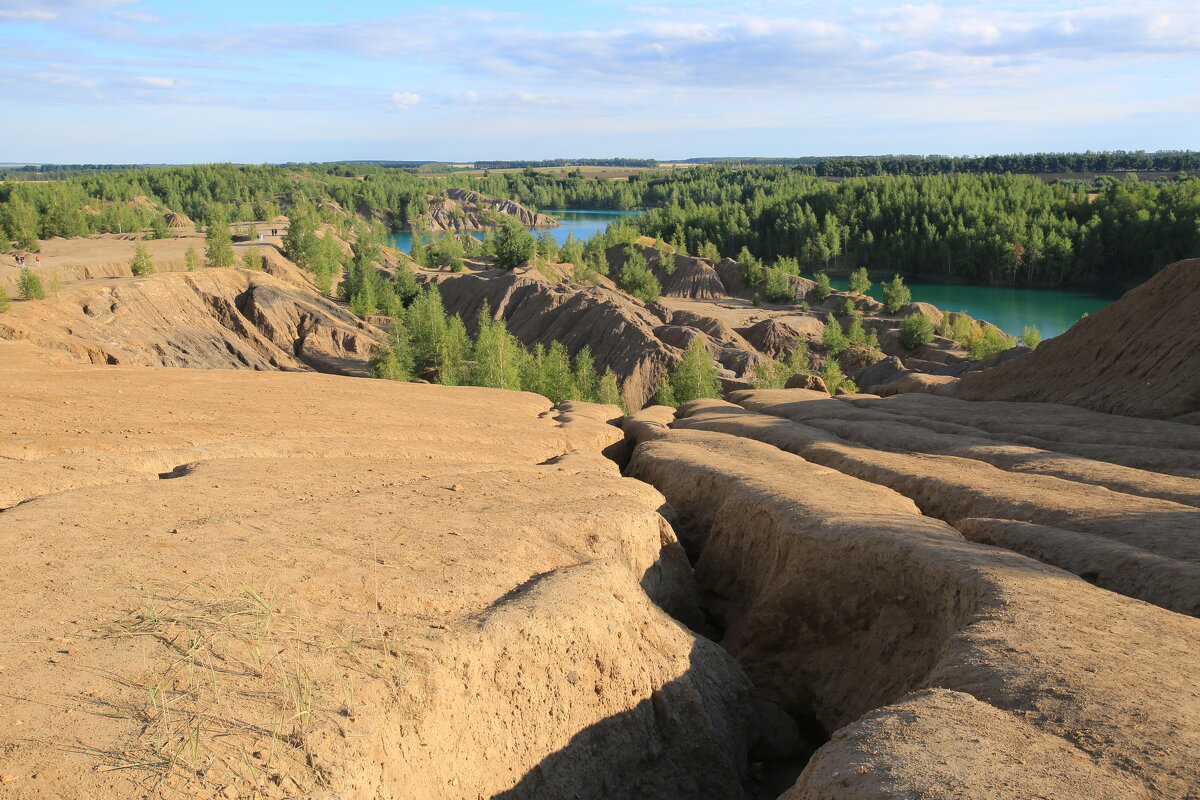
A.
x: 132, y: 82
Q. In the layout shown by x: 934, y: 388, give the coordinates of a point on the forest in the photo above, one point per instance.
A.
x: 996, y: 229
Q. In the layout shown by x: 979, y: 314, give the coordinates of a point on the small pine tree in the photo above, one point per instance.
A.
x: 191, y: 259
x: 695, y: 376
x: 29, y: 285
x: 547, y: 246
x: 823, y: 288
x: 860, y: 283
x: 798, y: 361
x: 394, y: 362
x: 498, y: 354
x: 665, y: 396
x: 608, y: 392
x: 5, y: 303
x: 533, y: 370
x: 915, y: 331
x: 895, y: 295
x: 218, y: 248
x: 141, y: 264
x: 405, y: 284
x: 834, y: 378
x: 560, y: 383
x: 586, y: 378
x: 454, y: 351
x: 252, y: 260
x: 427, y: 326
x: 159, y: 228
x: 844, y: 307
x: 833, y: 338
x: 855, y: 333
x: 770, y: 373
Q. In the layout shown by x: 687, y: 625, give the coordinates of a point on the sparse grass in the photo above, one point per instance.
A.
x: 231, y: 690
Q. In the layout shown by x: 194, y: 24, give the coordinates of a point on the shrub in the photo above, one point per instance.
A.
x: 844, y: 307
x: 4, y: 301
x: 991, y: 340
x: 776, y: 287
x: 834, y: 340
x: 834, y: 378
x: 860, y: 283
x: 141, y: 264
x: 191, y: 259
x: 695, y: 375
x: 1030, y: 336
x: 895, y: 295
x: 915, y: 331
x: 823, y: 288
x: 29, y: 285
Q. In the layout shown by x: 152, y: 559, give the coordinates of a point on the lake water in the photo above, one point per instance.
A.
x: 584, y: 224
x: 1052, y: 311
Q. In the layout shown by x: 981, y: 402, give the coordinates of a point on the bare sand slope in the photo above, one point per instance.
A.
x: 941, y: 667
x: 266, y: 585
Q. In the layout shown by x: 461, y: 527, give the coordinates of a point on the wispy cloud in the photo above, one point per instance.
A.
x: 405, y: 101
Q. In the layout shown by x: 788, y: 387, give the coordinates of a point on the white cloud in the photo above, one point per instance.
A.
x: 405, y: 100
x: 157, y: 83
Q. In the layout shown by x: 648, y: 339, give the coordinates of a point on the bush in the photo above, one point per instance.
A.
x: 141, y: 264
x: 915, y: 331
x: 4, y: 302
x: 895, y: 295
x: 991, y: 340
x: 1030, y: 336
x: 777, y: 288
x: 834, y: 378
x: 860, y: 283
x: 844, y: 307
x: 823, y: 288
x: 834, y: 340
x: 29, y: 285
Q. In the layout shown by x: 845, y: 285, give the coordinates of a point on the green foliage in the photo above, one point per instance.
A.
x: 454, y: 353
x: 636, y: 277
x: 915, y: 331
x: 558, y: 382
x: 835, y: 379
x: 394, y: 362
x: 957, y: 327
x: 547, y: 246
x: 770, y: 373
x: 571, y: 251
x: 1030, y: 336
x: 159, y: 228
x: 752, y: 268
x: 608, y: 392
x: 512, y: 245
x: 895, y: 295
x: 844, y: 306
x: 695, y: 375
x: 141, y: 264
x: 665, y: 396
x: 191, y: 259
x: 860, y: 283
x: 798, y: 361
x: 823, y: 288
x: 498, y: 354
x: 988, y: 342
x: 253, y: 260
x: 776, y: 286
x: 533, y: 370
x: 427, y: 322
x: 218, y: 243
x: 5, y: 303
x: 587, y: 381
x: 855, y: 333
x: 833, y: 338
x: 29, y: 285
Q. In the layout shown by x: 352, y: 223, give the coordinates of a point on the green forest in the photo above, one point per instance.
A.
x: 998, y: 229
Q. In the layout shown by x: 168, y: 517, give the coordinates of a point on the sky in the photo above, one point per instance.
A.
x: 142, y: 81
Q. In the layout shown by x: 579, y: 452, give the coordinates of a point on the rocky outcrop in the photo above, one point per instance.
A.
x: 772, y: 337
x: 210, y: 319
x: 940, y: 666
x: 465, y: 210
x: 294, y: 585
x: 1128, y: 358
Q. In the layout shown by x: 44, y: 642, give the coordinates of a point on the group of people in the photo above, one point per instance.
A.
x: 20, y: 259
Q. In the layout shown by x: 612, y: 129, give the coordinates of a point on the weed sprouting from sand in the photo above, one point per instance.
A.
x: 228, y: 692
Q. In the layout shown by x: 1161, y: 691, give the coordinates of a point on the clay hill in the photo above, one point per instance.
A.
x: 1139, y: 357
x: 465, y: 210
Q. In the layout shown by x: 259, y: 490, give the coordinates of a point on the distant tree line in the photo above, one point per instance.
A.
x: 1020, y: 163
x: 568, y: 162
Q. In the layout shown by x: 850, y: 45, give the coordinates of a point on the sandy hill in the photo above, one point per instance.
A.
x: 1139, y: 356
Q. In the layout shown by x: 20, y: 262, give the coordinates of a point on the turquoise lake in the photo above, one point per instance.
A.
x: 1051, y: 310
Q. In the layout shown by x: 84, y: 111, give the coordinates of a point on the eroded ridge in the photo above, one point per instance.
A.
x: 304, y: 585
x: 943, y: 667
